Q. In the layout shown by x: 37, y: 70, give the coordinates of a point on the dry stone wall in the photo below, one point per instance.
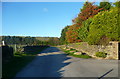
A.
x: 111, y: 49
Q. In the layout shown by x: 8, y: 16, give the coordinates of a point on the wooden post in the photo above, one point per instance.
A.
x: 3, y: 43
x: 15, y: 47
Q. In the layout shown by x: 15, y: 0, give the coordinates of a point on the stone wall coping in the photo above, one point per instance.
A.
x: 114, y: 41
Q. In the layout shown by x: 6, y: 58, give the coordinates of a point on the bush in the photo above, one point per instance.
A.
x: 104, y: 27
x: 101, y: 54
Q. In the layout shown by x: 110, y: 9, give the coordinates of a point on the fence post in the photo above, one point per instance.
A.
x: 15, y: 47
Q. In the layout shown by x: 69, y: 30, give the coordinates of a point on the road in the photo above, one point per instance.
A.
x: 54, y: 63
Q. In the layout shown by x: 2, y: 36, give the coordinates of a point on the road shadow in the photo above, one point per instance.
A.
x: 49, y: 66
x: 51, y: 49
x: 33, y: 49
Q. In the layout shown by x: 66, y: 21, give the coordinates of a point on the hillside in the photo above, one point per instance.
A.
x: 27, y: 40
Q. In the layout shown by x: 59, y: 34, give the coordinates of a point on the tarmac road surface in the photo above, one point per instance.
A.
x: 54, y: 63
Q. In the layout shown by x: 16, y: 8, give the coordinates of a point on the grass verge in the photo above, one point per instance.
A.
x: 85, y: 56
x: 20, y: 60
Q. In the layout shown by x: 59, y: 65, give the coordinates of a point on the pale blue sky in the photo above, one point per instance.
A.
x: 38, y: 18
x: 56, y: 0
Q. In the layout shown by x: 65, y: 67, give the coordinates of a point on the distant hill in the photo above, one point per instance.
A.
x: 27, y: 40
x: 45, y: 38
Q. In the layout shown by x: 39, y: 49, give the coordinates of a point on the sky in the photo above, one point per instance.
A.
x: 45, y: 19
x: 56, y: 0
x: 37, y: 18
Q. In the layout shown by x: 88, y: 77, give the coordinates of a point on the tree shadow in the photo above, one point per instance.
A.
x: 52, y: 49
x: 47, y: 65
x: 33, y: 49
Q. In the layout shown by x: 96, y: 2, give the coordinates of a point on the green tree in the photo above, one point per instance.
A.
x: 105, y: 5
x: 117, y: 4
x: 104, y: 27
x: 84, y: 30
x: 63, y: 34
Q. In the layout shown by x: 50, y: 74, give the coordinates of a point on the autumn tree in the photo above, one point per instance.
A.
x: 88, y: 10
x: 72, y: 34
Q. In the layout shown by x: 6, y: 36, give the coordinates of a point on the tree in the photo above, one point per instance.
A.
x: 84, y: 30
x: 105, y: 6
x: 63, y: 34
x: 117, y: 4
x: 72, y: 34
x: 104, y: 27
x: 89, y: 10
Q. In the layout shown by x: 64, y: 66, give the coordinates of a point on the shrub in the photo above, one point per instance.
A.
x: 104, y: 27
x: 101, y: 54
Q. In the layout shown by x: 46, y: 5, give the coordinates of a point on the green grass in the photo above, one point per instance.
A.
x: 15, y: 64
x: 81, y: 56
x: 72, y: 54
x: 18, y: 62
x: 72, y: 49
x: 79, y: 43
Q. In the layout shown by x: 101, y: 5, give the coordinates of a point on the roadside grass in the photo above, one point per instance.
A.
x: 72, y: 53
x: 82, y: 56
x: 19, y: 61
x: 78, y: 43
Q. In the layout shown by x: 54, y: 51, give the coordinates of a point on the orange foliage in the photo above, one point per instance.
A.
x: 89, y: 11
x: 72, y: 34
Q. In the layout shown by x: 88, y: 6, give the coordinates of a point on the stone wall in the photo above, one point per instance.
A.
x: 111, y: 49
x: 7, y: 53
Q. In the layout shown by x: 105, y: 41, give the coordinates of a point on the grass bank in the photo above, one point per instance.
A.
x: 75, y: 53
x: 20, y: 60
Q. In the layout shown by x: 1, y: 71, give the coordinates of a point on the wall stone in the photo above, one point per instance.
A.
x: 111, y: 49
